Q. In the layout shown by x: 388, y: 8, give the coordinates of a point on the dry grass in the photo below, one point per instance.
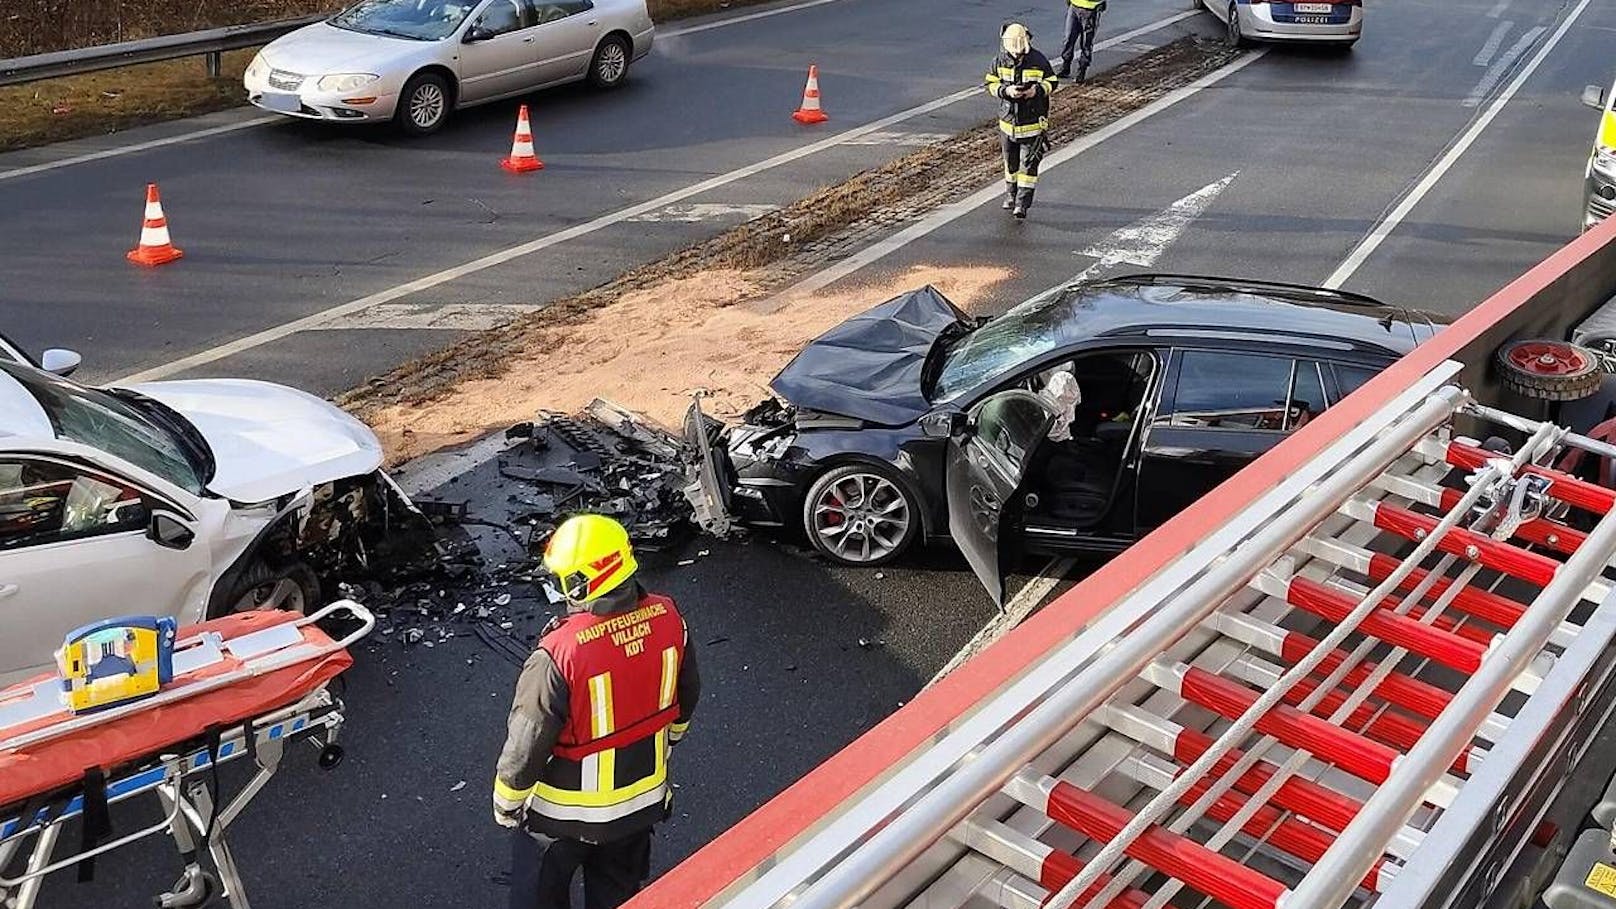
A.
x: 114, y: 99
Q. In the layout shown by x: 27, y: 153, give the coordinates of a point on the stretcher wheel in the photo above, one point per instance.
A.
x: 195, y: 888
x: 331, y: 756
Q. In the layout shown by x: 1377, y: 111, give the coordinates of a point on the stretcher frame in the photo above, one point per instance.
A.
x: 183, y: 778
x: 183, y: 784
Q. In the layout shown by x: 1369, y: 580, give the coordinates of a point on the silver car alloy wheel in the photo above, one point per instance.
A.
x: 862, y: 517
x: 426, y: 105
x: 613, y: 61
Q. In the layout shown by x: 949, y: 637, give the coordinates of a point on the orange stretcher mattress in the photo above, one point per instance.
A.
x: 53, y: 764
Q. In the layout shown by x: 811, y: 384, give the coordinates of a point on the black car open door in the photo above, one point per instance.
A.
x: 989, y: 467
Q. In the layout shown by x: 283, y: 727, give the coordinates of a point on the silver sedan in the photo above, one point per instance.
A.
x: 415, y: 61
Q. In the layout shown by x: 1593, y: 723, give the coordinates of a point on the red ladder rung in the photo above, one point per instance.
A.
x: 1405, y: 691
x: 1566, y: 487
x: 1511, y: 560
x: 1361, y: 756
x: 1538, y: 531
x: 1393, y: 729
x: 1178, y: 857
x: 1451, y: 650
x: 1298, y: 794
x: 1483, y: 604
x: 1059, y: 869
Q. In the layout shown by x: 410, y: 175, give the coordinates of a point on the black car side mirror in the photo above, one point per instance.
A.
x: 476, y: 33
x: 942, y: 424
x: 166, y: 531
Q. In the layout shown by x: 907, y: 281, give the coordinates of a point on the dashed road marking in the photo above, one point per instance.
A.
x: 1501, y: 66
x: 431, y: 316
x: 897, y: 137
x: 1485, y: 55
x: 705, y: 211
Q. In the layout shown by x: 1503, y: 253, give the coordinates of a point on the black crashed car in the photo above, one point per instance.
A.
x: 915, y: 421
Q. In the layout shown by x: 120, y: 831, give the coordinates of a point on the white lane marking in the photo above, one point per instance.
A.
x: 1501, y: 66
x: 705, y: 211
x: 434, y: 316
x: 1025, y: 601
x: 1498, y: 9
x: 286, y: 329
x: 737, y: 20
x: 1485, y: 55
x: 1383, y: 229
x: 949, y: 213
x: 137, y: 147
x: 1141, y: 243
x: 898, y: 137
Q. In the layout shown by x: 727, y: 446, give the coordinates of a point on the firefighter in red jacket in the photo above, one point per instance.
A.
x: 583, y: 775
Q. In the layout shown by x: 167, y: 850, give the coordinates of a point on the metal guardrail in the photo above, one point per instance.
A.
x: 210, y: 43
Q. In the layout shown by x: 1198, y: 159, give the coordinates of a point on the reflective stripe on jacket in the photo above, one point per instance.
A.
x: 1022, y: 118
x: 597, y: 709
x: 1087, y: 4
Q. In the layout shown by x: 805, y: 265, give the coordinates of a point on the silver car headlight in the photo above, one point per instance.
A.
x: 257, y: 68
x: 346, y: 82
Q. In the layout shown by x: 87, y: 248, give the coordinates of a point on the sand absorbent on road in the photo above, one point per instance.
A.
x: 650, y: 351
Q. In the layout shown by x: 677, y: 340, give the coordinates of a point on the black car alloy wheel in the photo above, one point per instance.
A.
x: 860, y: 515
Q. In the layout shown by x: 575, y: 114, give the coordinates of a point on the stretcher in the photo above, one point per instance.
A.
x: 243, y: 687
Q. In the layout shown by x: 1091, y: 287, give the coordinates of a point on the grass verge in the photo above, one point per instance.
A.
x: 72, y: 107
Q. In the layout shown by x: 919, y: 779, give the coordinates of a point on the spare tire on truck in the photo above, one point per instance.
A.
x: 1544, y: 369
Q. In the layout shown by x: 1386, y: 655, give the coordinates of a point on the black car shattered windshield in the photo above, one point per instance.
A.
x: 1025, y: 333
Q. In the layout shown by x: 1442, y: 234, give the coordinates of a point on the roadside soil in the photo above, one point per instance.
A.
x: 707, y: 317
x: 55, y: 110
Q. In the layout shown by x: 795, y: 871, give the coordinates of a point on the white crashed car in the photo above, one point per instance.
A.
x: 188, y: 498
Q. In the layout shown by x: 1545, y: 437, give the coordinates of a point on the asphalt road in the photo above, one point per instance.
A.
x: 1319, y: 147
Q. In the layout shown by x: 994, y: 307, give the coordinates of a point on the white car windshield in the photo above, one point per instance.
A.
x: 100, y: 420
x: 999, y: 347
x: 419, y: 20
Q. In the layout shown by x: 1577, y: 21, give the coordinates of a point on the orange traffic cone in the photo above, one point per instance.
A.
x: 154, y: 248
x: 809, y: 112
x: 522, y: 158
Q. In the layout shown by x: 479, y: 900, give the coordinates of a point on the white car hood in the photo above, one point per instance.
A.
x: 269, y: 440
x: 319, y: 49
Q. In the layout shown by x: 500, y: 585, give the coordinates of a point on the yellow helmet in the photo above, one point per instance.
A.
x: 591, y: 556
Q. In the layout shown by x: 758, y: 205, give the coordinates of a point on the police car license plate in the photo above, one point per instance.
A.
x: 1325, y: 8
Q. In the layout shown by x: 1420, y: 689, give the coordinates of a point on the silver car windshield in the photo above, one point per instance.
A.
x: 419, y: 20
x: 1025, y: 333
x: 92, y: 417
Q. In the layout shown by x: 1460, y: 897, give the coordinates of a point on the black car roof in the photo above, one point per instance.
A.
x: 1161, y: 306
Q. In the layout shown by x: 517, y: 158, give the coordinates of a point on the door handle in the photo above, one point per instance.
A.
x: 594, y: 21
x: 528, y: 40
x: 7, y: 590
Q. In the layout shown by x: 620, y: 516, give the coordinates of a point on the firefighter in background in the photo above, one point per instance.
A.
x: 1022, y: 81
x: 583, y: 775
x: 1082, y: 19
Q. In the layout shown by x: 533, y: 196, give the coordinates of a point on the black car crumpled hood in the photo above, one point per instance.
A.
x: 869, y: 367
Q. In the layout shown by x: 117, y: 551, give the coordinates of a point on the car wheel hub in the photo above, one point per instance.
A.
x: 612, y: 60
x: 426, y: 105
x: 861, y: 518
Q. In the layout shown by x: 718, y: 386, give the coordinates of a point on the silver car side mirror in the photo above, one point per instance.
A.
x: 60, y: 361
x: 1594, y: 97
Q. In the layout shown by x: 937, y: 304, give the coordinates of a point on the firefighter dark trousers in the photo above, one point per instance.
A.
x: 1021, y: 159
x: 1080, y: 26
x: 542, y: 869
